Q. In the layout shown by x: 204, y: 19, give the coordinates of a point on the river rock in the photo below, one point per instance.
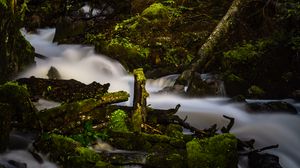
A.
x: 205, y: 85
x: 271, y: 107
x: 53, y: 73
x: 5, y: 118
x: 265, y: 160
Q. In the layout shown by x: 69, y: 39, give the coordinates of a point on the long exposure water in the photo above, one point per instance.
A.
x: 81, y: 63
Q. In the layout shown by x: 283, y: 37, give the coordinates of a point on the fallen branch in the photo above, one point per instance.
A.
x: 229, y: 126
x: 259, y: 150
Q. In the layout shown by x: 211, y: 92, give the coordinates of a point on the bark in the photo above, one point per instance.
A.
x: 62, y: 116
x: 220, y: 33
x: 139, y: 100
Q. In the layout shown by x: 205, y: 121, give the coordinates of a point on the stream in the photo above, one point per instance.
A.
x: 83, y: 64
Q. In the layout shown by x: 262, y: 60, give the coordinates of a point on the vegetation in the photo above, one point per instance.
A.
x: 253, y: 46
x: 15, y: 52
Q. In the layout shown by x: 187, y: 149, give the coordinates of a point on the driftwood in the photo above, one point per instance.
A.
x: 221, y: 32
x: 229, y: 126
x: 62, y: 90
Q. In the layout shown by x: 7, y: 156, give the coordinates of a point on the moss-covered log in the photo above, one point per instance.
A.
x: 60, y: 116
x: 221, y: 32
x: 139, y: 100
x: 63, y: 90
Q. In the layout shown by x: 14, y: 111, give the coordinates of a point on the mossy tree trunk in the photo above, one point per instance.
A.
x: 221, y: 32
x: 139, y: 100
x: 15, y: 51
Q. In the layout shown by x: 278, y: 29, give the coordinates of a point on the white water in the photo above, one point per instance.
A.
x: 81, y: 63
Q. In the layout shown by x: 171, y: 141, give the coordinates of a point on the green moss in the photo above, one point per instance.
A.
x: 118, y: 121
x: 256, y: 91
x: 162, y: 160
x: 137, y: 119
x: 219, y: 151
x: 158, y: 11
x: 69, y: 153
x: 17, y: 95
x: 177, y: 56
x: 123, y: 46
x: 175, y: 131
x: 101, y: 164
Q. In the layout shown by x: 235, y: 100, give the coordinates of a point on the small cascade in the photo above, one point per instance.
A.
x: 81, y: 63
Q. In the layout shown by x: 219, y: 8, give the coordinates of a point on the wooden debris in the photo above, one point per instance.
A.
x: 62, y: 90
x: 139, y: 100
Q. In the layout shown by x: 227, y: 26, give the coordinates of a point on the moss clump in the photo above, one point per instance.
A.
x: 218, y: 151
x: 124, y: 49
x: 173, y: 160
x: 18, y: 97
x: 158, y: 11
x: 118, y: 121
x: 256, y: 91
x: 69, y: 153
x: 174, y: 131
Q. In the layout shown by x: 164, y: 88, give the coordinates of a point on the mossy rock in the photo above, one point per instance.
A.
x: 235, y: 85
x: 256, y: 92
x: 18, y: 97
x: 219, y: 151
x: 69, y: 153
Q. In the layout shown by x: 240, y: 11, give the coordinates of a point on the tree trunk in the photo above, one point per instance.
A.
x: 220, y: 33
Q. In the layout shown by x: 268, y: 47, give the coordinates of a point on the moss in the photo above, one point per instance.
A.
x: 118, y: 121
x: 101, y: 164
x: 17, y: 95
x: 174, y: 131
x: 158, y: 11
x: 137, y: 119
x: 218, y: 151
x: 178, y: 56
x: 161, y: 160
x: 256, y: 91
x: 69, y: 153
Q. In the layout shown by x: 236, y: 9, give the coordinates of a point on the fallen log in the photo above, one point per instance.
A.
x: 61, y: 116
x: 62, y: 90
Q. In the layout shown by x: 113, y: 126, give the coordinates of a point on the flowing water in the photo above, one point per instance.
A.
x: 81, y: 63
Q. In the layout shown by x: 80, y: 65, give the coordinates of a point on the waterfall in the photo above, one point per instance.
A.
x: 81, y: 63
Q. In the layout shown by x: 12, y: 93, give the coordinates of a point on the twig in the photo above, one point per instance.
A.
x: 259, y: 150
x: 229, y: 126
